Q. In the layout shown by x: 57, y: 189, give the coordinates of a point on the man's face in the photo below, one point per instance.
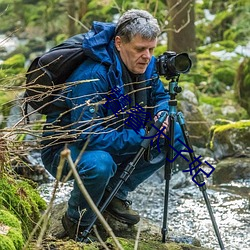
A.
x: 137, y: 53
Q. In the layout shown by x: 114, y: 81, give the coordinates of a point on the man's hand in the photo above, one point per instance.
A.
x: 164, y: 124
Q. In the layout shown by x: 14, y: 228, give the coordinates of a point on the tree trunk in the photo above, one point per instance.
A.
x: 83, y: 7
x: 181, y: 27
x: 71, y: 6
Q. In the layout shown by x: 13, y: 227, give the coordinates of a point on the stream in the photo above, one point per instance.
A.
x: 187, y: 212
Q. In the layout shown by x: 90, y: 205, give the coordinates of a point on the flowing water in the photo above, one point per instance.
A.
x: 187, y: 211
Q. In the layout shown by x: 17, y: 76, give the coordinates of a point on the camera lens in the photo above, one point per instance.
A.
x: 182, y: 63
x: 170, y: 64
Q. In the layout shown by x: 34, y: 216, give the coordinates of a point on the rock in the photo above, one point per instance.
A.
x: 189, y: 96
x: 230, y: 140
x: 179, y: 180
x: 228, y: 110
x: 149, y: 238
x: 197, y: 125
x: 231, y: 169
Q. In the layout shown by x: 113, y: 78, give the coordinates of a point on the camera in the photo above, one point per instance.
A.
x: 171, y: 65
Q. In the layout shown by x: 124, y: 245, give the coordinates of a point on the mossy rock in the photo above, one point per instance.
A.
x: 224, y: 75
x: 231, y: 139
x: 128, y: 244
x: 11, y: 237
x: 22, y: 200
x: 219, y: 107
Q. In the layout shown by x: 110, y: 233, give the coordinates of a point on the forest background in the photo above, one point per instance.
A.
x: 214, y: 33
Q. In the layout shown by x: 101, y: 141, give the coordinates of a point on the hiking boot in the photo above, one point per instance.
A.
x: 121, y: 211
x: 75, y: 231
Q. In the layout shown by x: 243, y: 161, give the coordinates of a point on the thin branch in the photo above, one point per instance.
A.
x: 138, y: 236
x: 77, y: 21
x: 67, y: 155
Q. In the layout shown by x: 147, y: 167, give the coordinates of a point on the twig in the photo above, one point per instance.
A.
x: 77, y: 21
x: 66, y: 154
x: 137, y: 236
x: 99, y: 238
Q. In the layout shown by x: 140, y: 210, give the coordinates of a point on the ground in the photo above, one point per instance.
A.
x: 149, y: 237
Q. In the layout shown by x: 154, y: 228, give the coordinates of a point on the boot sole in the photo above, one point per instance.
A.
x: 121, y: 219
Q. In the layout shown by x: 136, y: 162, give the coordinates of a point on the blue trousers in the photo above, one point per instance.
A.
x: 100, y: 170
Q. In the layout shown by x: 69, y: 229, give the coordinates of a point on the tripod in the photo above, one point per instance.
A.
x: 198, y: 176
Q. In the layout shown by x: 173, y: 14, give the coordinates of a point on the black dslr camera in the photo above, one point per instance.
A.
x: 171, y: 65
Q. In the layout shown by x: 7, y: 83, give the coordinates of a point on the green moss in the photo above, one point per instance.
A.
x: 236, y: 125
x: 6, y: 243
x: 9, y: 219
x: 128, y: 244
x: 13, y: 71
x: 21, y: 199
x: 228, y: 45
x: 16, y: 237
x: 16, y: 61
x: 212, y: 100
x: 225, y: 75
x: 13, y: 239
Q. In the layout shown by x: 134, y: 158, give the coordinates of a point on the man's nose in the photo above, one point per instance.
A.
x: 146, y: 54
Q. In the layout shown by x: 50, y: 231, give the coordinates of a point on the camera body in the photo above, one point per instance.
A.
x: 171, y: 65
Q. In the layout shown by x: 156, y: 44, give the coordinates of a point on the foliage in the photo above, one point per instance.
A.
x: 228, y: 23
x: 12, y: 69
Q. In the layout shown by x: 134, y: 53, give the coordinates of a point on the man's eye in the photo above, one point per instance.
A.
x: 139, y: 50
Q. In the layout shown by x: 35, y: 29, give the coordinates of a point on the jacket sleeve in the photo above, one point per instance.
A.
x: 89, y: 116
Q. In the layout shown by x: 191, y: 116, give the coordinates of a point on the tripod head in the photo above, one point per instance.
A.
x: 174, y: 89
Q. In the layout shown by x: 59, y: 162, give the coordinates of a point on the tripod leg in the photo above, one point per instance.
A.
x: 168, y: 173
x: 199, y: 178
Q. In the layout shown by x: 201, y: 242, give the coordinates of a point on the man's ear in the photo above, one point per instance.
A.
x: 118, y: 42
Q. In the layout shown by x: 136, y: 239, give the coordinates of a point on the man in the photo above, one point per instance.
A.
x: 124, y: 83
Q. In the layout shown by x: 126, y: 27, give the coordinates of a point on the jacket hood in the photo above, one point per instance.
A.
x: 98, y: 43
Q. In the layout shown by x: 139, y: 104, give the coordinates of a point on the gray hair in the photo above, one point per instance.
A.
x: 137, y: 22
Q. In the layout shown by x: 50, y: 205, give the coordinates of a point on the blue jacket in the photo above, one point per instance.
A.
x: 88, y: 117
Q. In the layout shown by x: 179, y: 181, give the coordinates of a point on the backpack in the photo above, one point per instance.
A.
x: 47, y: 73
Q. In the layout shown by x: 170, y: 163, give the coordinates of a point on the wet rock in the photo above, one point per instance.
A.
x: 232, y: 169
